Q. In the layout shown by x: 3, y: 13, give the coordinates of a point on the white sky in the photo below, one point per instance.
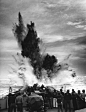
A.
x: 61, y: 24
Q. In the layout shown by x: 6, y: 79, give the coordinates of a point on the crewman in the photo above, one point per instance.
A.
x: 19, y: 103
x: 60, y: 102
x: 11, y: 101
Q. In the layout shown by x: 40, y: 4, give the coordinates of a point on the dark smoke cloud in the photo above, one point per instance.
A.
x: 19, y: 30
x: 29, y: 42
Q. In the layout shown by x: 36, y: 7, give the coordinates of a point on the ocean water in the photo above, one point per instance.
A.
x: 5, y: 84
x: 79, y: 83
x: 5, y: 90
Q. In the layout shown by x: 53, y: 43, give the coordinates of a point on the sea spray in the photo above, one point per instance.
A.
x: 33, y: 66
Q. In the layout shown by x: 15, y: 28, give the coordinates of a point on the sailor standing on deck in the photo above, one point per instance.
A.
x: 83, y: 95
x: 19, y: 103
x: 60, y: 102
x: 67, y: 98
x: 11, y: 101
x: 25, y: 101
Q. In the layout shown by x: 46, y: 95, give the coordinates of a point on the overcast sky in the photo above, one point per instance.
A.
x: 61, y: 24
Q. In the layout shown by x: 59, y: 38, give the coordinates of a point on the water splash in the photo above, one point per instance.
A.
x: 25, y: 72
x: 33, y: 67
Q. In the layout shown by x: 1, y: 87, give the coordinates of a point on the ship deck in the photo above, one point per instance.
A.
x: 51, y: 110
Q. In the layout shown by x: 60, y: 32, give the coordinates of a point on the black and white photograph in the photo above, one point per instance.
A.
x: 42, y: 55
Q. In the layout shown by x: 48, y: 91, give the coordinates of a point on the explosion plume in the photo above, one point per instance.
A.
x: 45, y: 67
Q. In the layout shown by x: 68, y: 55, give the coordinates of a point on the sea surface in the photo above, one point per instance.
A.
x: 5, y: 90
x: 78, y: 84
